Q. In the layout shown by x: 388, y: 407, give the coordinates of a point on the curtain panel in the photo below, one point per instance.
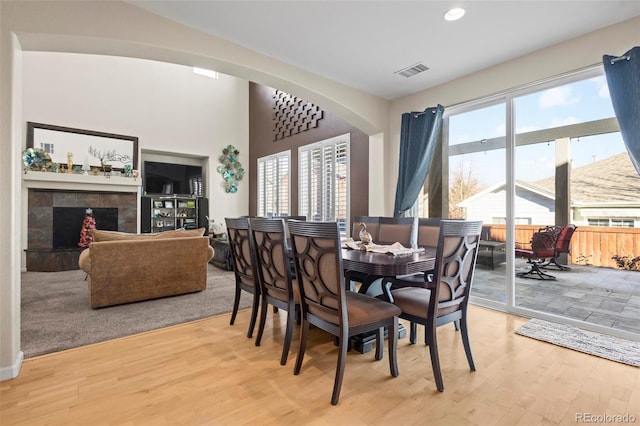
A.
x: 623, y: 78
x: 418, y: 138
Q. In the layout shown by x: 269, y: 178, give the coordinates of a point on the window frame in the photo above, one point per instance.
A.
x: 340, y: 147
x: 262, y: 163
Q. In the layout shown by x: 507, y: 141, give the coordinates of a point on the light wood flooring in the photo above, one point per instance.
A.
x: 209, y: 373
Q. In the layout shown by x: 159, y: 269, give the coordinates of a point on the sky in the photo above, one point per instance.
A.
x: 577, y: 102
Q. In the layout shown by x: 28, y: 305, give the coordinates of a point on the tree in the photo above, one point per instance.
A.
x: 463, y: 185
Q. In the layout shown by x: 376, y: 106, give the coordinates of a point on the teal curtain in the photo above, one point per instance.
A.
x: 623, y: 78
x: 418, y: 138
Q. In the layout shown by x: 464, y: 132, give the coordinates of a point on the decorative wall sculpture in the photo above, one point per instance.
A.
x: 230, y: 169
x: 292, y: 115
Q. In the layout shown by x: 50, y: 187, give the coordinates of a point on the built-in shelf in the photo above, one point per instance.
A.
x: 78, y: 182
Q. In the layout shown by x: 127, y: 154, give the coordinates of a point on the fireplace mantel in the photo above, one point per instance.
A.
x: 77, y: 182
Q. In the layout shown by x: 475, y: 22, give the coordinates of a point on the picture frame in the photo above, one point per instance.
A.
x: 81, y: 147
x: 157, y: 204
x: 168, y: 204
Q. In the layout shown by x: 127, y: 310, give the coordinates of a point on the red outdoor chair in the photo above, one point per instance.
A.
x: 563, y: 245
x: 546, y: 245
x: 543, y: 245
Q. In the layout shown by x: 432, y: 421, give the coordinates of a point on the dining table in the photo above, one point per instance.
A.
x: 374, y: 266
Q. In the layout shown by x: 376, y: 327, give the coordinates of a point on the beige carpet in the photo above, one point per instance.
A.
x: 56, y: 313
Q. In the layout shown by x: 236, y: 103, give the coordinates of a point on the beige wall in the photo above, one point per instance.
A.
x: 115, y: 28
x: 167, y: 106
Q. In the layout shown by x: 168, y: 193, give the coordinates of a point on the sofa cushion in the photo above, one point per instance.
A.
x: 99, y: 236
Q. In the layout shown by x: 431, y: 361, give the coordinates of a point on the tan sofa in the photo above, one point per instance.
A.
x: 125, y: 268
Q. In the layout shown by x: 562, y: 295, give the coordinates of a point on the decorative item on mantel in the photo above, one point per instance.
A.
x: 69, y: 162
x: 36, y: 159
x: 230, y: 169
x: 85, y: 166
x: 108, y: 155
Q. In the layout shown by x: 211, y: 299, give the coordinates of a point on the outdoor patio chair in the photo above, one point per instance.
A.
x: 543, y: 247
x: 562, y: 246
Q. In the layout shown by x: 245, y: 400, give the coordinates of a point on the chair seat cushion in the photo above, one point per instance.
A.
x: 412, y: 300
x: 530, y: 254
x: 415, y: 301
x: 524, y: 253
x: 363, y: 309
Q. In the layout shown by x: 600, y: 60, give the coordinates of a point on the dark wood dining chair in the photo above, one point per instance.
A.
x: 328, y: 305
x: 244, y: 267
x: 277, y: 286
x: 446, y: 298
x: 427, y: 236
x: 395, y: 230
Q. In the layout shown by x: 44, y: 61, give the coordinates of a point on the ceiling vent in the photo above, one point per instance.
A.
x: 412, y: 70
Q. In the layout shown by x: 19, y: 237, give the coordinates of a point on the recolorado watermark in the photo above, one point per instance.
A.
x: 605, y: 418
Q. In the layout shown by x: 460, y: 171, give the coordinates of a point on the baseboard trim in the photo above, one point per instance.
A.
x: 11, y: 372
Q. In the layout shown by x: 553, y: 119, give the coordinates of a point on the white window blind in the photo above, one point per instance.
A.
x: 324, y: 181
x: 273, y: 185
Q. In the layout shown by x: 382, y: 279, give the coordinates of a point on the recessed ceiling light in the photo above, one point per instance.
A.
x: 206, y: 73
x: 454, y: 14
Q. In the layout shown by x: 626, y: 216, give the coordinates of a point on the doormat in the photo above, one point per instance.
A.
x: 608, y: 347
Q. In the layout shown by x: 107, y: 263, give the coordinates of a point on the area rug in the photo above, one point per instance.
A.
x: 609, y: 347
x: 56, y: 314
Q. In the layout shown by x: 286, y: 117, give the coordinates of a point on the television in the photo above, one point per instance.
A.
x: 170, y: 179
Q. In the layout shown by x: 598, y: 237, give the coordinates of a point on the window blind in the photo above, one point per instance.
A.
x: 324, y: 180
x: 273, y: 184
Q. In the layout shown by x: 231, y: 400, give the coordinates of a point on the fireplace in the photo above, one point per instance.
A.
x: 67, y: 223
x: 55, y: 219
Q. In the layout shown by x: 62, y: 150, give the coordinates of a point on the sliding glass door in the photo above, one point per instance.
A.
x: 547, y: 156
x: 476, y: 181
x: 571, y: 167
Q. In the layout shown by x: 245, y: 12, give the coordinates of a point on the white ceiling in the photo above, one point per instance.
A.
x: 363, y: 43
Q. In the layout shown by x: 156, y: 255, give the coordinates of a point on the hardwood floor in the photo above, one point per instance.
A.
x: 207, y: 372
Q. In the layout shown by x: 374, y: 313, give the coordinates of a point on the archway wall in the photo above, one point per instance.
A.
x: 120, y: 29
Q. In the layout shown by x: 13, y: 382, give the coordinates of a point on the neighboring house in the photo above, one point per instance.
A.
x: 604, y: 193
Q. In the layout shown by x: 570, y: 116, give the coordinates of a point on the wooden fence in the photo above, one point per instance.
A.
x: 590, y: 245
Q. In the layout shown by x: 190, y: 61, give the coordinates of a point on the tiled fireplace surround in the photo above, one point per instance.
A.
x: 40, y: 255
